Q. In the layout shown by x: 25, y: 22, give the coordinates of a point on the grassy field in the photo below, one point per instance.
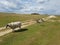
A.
x: 47, y: 33
x: 7, y: 17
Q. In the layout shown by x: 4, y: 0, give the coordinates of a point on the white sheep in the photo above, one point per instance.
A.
x: 52, y: 16
x: 14, y: 25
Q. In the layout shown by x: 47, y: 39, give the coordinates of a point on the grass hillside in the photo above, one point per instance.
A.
x: 11, y: 17
x: 47, y: 33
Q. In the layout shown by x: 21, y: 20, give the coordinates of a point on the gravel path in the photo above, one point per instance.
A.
x: 10, y: 30
x: 25, y: 24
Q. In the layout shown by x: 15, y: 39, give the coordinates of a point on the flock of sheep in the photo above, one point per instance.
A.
x: 45, y: 19
x: 14, y: 25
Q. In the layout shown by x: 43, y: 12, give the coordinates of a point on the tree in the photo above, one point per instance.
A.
x: 35, y: 13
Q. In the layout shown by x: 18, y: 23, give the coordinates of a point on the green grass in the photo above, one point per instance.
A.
x: 7, y: 18
x: 47, y: 33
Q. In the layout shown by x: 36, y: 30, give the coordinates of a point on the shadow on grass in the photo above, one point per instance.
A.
x: 21, y: 30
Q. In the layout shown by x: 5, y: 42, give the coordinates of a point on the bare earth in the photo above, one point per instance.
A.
x: 25, y: 24
x: 10, y: 30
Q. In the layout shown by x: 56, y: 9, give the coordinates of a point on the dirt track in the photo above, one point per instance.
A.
x: 25, y: 24
x: 10, y: 30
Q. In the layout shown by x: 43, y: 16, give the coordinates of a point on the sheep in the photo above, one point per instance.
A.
x: 40, y: 20
x: 14, y: 25
x: 52, y: 16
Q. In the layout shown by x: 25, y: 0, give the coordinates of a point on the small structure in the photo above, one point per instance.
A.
x: 14, y: 25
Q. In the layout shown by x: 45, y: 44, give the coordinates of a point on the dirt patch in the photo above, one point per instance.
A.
x: 10, y: 30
